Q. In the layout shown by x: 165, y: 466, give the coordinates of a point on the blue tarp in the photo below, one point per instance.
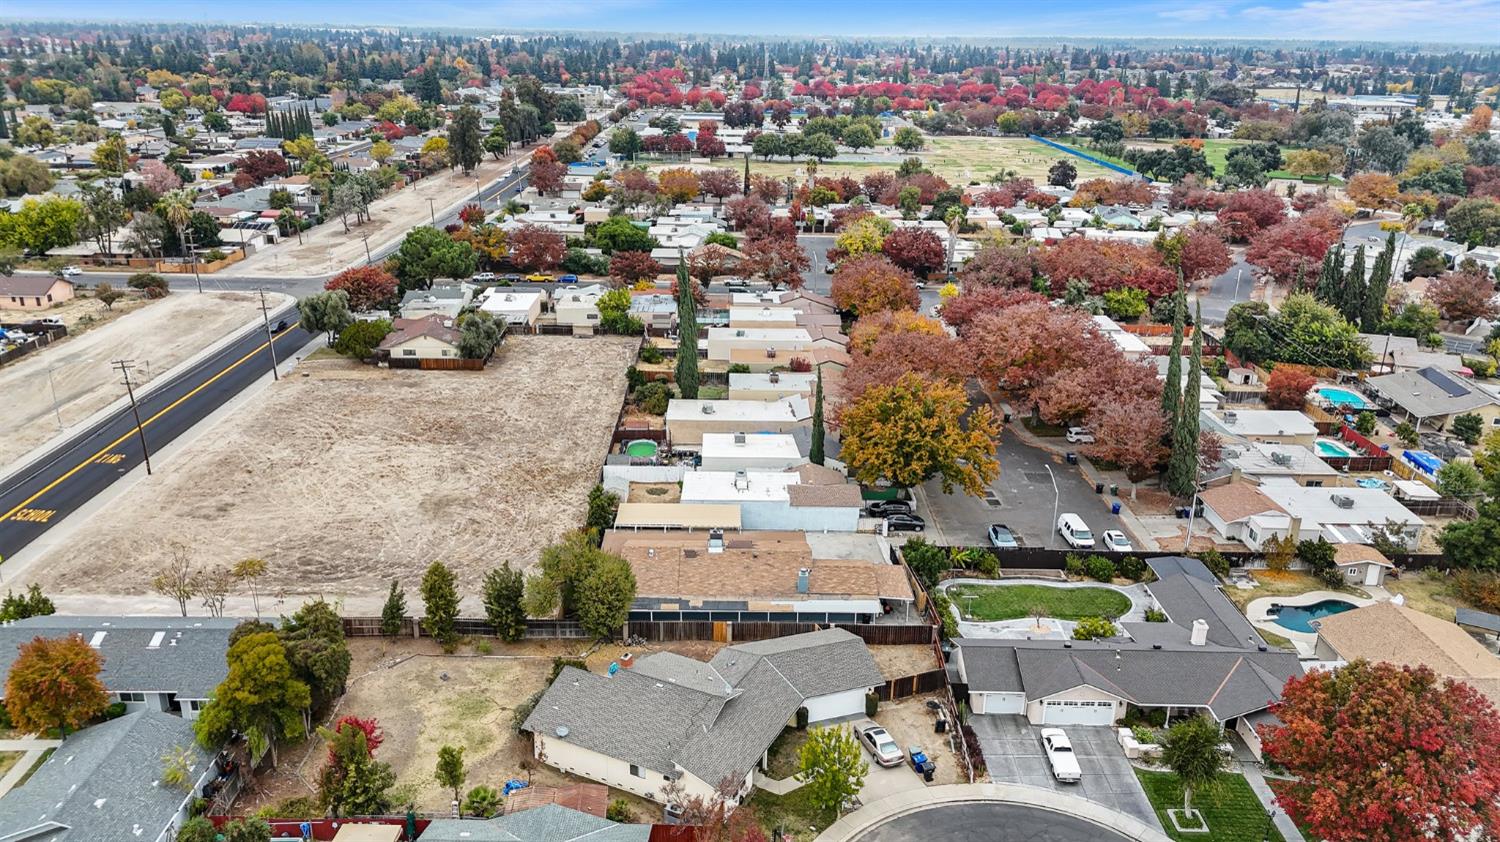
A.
x: 1422, y: 460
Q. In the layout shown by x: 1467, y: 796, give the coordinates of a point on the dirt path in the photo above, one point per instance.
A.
x: 348, y: 476
x: 157, y: 336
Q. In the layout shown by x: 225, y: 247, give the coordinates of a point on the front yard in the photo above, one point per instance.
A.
x: 1231, y: 809
x: 1013, y: 602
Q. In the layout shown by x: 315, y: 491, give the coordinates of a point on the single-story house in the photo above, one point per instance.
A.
x: 513, y: 306
x: 770, y: 385
x: 807, y: 498
x: 104, y: 782
x: 34, y: 292
x: 430, y: 337
x: 167, y: 664
x: 547, y: 823
x: 654, y: 310
x: 1209, y: 396
x: 1433, y: 397
x: 672, y: 720
x: 763, y: 317
x: 1404, y: 353
x: 578, y: 307
x: 1404, y: 636
x: 1276, y: 426
x: 767, y: 342
x: 1261, y: 462
x: 445, y: 300
x: 750, y: 452
x: 1254, y: 514
x: 688, y: 420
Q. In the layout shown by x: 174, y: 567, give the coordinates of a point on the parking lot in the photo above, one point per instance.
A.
x: 1013, y: 752
x: 1021, y: 498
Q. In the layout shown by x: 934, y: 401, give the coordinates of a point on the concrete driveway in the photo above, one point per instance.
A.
x: 1013, y: 752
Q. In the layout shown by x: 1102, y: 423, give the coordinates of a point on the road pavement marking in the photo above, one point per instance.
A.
x: 111, y: 446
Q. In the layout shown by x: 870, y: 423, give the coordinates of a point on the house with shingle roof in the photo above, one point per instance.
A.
x: 547, y: 823
x: 430, y: 337
x: 104, y: 783
x: 699, y: 727
x: 1406, y: 637
x: 1434, y: 397
x: 797, y: 499
x: 34, y: 292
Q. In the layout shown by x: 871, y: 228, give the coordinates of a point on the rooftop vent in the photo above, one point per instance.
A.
x: 1343, y: 501
x: 741, y: 481
x: 739, y: 439
x: 771, y: 352
x: 708, y: 409
x: 1230, y: 418
x: 803, y: 575
x: 775, y: 377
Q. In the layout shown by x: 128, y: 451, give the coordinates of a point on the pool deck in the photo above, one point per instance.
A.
x: 1258, y: 612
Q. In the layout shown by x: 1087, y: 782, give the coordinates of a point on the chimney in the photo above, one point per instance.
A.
x: 803, y: 574
x: 715, y: 541
x: 1200, y: 633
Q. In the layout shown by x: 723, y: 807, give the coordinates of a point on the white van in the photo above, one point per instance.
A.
x: 1073, y: 530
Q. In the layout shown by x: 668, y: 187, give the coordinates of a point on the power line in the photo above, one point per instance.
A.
x: 125, y: 366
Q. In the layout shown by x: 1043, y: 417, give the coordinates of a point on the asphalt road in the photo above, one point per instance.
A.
x: 992, y: 822
x: 819, y: 280
x: 32, y: 501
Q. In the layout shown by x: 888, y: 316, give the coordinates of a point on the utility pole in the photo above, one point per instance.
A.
x: 270, y: 337
x: 196, y: 276
x: 368, y: 258
x: 430, y: 212
x: 125, y: 366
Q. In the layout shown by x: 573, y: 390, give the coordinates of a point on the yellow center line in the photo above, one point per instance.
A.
x: 168, y: 408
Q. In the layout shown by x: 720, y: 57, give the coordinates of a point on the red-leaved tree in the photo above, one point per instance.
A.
x: 1246, y: 212
x: 870, y: 283
x: 974, y: 302
x: 1463, y: 296
x: 1129, y: 434
x: 471, y: 214
x: 1381, y: 753
x: 1204, y: 255
x: 1106, y: 265
x: 546, y: 172
x: 777, y: 259
x: 373, y: 735
x: 916, y: 250
x: 719, y: 182
x: 262, y: 164
x: 535, y: 248
x: 1287, y: 387
x: 999, y: 266
x: 1289, y: 250
x: 627, y: 267
x: 368, y: 287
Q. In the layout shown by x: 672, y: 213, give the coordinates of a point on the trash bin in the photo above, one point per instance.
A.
x: 1098, y: 488
x: 927, y: 773
x: 1114, y: 508
x: 941, y: 726
x: 1114, y: 490
x: 1072, y: 458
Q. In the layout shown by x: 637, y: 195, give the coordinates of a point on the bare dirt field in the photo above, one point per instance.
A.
x: 347, y: 476
x: 157, y: 336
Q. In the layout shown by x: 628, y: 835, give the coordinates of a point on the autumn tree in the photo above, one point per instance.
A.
x: 1381, y: 752
x: 711, y: 260
x: 353, y: 782
x: 1105, y: 265
x: 546, y: 172
x: 916, y: 250
x: 629, y: 267
x: 1463, y: 296
x: 535, y: 248
x: 1128, y: 434
x: 1023, y: 346
x: 367, y: 287
x: 719, y: 183
x: 912, y: 430
x: 54, y: 683
x: 777, y: 259
x: 869, y: 284
x: 865, y: 332
x: 678, y: 184
x: 1288, y: 250
x: 1287, y: 387
x: 1372, y: 190
x: 999, y: 266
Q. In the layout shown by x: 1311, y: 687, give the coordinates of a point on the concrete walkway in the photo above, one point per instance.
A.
x: 776, y: 786
x: 876, y: 813
x: 34, y: 748
x: 1027, y: 628
x: 1262, y: 791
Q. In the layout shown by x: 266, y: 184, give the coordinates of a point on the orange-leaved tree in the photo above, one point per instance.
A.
x: 54, y: 683
x: 912, y: 430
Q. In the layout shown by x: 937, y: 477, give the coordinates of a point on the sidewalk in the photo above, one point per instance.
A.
x: 34, y: 748
x: 1262, y: 791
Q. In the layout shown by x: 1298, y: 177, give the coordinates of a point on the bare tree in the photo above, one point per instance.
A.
x: 250, y: 570
x: 213, y: 586
x: 176, y: 579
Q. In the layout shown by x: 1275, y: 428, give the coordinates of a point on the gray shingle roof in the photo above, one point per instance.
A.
x: 1428, y: 392
x: 713, y: 720
x: 548, y: 823
x: 104, y: 782
x: 188, y: 660
x: 1228, y: 682
x: 1187, y: 591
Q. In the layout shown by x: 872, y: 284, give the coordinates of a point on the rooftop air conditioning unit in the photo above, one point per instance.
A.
x: 741, y: 481
x: 1231, y: 417
x: 1281, y: 458
x: 739, y: 439
x: 775, y: 377
x: 708, y: 409
x: 771, y: 353
x: 1343, y: 501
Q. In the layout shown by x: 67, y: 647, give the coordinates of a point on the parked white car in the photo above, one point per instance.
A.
x: 1080, y: 435
x: 71, y: 271
x: 1116, y: 542
x: 1073, y: 530
x: 1060, y: 756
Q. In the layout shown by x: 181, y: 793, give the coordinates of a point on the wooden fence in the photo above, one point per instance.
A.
x: 468, y: 626
x: 723, y: 631
x: 440, y: 364
x: 912, y: 685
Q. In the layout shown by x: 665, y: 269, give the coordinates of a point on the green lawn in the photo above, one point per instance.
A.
x: 1216, y: 151
x: 1232, y: 811
x: 793, y: 814
x: 1012, y: 602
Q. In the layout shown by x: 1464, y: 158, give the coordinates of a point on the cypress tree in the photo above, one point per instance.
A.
x: 394, y: 611
x: 1330, y: 278
x: 1171, y: 396
x: 4, y: 126
x: 1373, y: 312
x: 1352, y: 302
x: 687, y: 331
x: 1182, y: 470
x: 815, y: 450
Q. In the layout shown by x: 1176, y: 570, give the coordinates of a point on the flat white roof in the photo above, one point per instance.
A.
x: 762, y: 314
x: 789, y: 380
x: 751, y: 299
x: 1128, y: 343
x: 789, y: 409
x: 1260, y: 422
x: 758, y: 445
x: 1316, y: 505
x: 760, y: 334
x: 737, y: 486
x: 508, y: 301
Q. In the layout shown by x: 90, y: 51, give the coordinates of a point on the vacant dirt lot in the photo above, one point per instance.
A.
x: 157, y: 336
x: 348, y: 476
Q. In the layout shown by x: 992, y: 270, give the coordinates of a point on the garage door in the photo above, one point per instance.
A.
x: 1078, y: 713
x: 992, y: 703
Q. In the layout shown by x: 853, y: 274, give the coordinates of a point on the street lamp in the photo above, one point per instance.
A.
x: 1056, y: 499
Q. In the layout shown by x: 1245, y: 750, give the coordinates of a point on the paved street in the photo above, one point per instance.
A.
x: 819, y: 280
x: 1013, y: 753
x: 982, y: 821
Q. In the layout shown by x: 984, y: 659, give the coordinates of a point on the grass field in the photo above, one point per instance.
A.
x: 960, y: 160
x: 1231, y: 809
x: 1217, y: 153
x: 1012, y: 602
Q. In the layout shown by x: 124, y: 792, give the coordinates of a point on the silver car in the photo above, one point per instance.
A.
x: 878, y: 742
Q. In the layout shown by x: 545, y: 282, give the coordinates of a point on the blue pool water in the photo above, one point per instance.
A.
x: 1343, y: 397
x: 1298, y: 618
x: 1329, y: 447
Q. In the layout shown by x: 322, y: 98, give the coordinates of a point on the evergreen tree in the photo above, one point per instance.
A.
x: 4, y: 127
x: 1171, y: 394
x: 1352, y: 302
x: 440, y: 604
x: 1182, y: 470
x: 687, y: 331
x: 394, y: 611
x: 815, y: 450
x: 1372, y: 315
x: 1330, y: 279
x: 465, y: 144
x: 503, y: 589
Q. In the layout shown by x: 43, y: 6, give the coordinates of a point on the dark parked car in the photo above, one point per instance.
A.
x: 1002, y: 538
x: 511, y: 278
x: 884, y: 508
x: 905, y: 523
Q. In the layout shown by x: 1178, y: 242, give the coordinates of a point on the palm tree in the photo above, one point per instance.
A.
x: 177, y: 207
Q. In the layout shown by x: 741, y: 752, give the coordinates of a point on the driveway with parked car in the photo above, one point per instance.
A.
x: 1013, y: 752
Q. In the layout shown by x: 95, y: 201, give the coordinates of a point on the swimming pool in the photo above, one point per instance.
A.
x: 1298, y: 618
x: 1343, y: 397
x: 1331, y: 447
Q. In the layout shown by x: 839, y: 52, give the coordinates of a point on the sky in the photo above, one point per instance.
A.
x: 1400, y: 21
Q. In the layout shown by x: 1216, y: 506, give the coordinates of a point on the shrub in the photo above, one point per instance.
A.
x: 988, y: 566
x: 973, y: 751
x: 214, y: 255
x: 928, y: 562
x: 1093, y: 628
x: 619, y: 811
x: 1146, y: 735
x: 1215, y: 562
x: 523, y: 710
x: 482, y: 801
x: 944, y: 610
x: 872, y: 704
x: 1365, y: 423
x: 801, y: 719
x: 1100, y: 568
x: 1073, y: 564
x: 800, y: 364
x: 1155, y: 615
x: 653, y: 398
x: 360, y: 339
x: 650, y: 354
x: 1479, y: 589
x: 634, y: 379
x: 1132, y: 568
x: 739, y: 368
x: 1406, y: 433
x: 483, y: 647
x: 115, y: 710
x: 154, y: 285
